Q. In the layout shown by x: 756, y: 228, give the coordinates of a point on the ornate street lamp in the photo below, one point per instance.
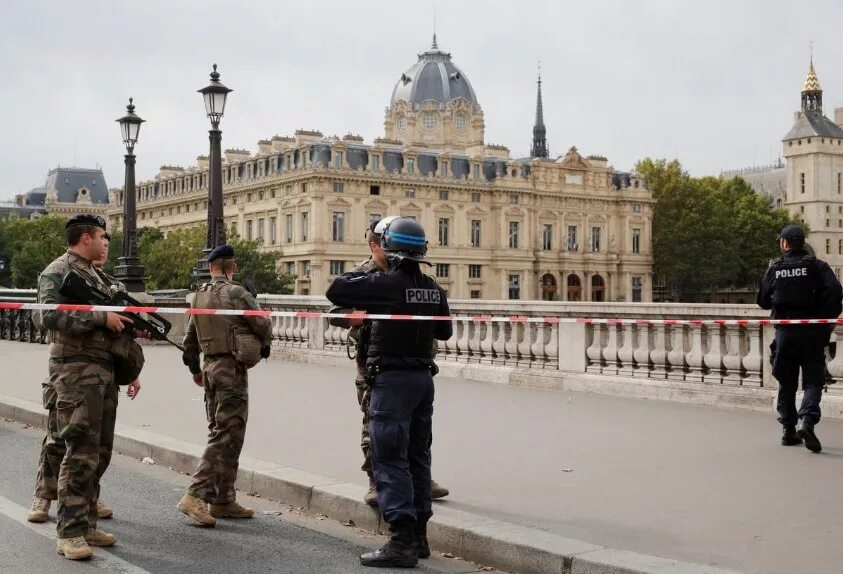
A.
x: 215, y: 95
x: 128, y: 269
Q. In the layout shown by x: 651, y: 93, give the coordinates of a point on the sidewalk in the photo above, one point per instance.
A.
x: 690, y: 483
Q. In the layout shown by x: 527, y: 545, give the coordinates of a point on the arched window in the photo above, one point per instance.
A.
x: 574, y: 288
x: 598, y: 288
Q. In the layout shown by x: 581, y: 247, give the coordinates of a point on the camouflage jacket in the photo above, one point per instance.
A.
x: 235, y: 296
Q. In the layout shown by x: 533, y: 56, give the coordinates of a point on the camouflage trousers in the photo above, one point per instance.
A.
x: 364, y: 395
x: 227, y: 410
x: 85, y: 411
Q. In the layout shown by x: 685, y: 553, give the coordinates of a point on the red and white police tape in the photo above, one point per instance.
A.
x: 463, y: 318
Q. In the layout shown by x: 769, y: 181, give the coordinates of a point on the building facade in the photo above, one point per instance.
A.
x: 570, y: 228
x: 68, y: 191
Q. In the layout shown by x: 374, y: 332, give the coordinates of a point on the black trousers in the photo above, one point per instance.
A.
x: 800, y: 347
x: 401, y: 412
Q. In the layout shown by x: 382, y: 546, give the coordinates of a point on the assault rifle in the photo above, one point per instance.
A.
x: 76, y: 288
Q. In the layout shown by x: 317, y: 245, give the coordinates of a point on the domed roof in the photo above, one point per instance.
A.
x: 433, y: 77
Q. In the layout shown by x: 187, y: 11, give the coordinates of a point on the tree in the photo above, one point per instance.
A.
x: 261, y: 267
x: 169, y: 260
x: 31, y: 245
x: 115, y: 251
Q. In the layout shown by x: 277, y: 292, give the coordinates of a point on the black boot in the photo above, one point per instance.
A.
x: 399, y: 552
x: 789, y: 437
x: 420, y: 540
x: 805, y: 431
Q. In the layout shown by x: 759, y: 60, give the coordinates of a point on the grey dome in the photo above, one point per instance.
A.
x: 433, y: 77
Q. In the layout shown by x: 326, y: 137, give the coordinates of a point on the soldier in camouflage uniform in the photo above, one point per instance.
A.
x: 84, y: 350
x: 359, y: 332
x: 53, y: 447
x: 231, y: 345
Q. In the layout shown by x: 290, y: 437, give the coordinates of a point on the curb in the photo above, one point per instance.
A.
x: 504, y: 545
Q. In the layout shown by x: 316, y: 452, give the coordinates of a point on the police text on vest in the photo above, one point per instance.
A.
x: 423, y: 296
x: 785, y: 273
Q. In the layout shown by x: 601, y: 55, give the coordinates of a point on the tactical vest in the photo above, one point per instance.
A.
x: 223, y: 334
x: 795, y: 283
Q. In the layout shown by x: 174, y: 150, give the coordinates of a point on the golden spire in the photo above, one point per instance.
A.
x: 812, y: 83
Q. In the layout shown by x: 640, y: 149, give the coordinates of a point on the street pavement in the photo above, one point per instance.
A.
x: 154, y: 537
x: 698, y: 484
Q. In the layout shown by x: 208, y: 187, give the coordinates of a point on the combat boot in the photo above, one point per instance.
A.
x: 805, y: 431
x: 437, y: 490
x: 195, y: 508
x: 74, y: 548
x: 39, y: 509
x: 789, y: 436
x: 96, y: 537
x: 371, y: 497
x: 420, y: 540
x: 398, y: 552
x: 103, y: 511
x: 231, y: 510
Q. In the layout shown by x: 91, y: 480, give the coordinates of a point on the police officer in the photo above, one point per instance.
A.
x: 81, y: 370
x: 799, y: 286
x: 359, y: 331
x: 400, y: 359
x: 53, y: 447
x: 231, y: 344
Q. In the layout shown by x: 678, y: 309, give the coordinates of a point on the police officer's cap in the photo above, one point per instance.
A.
x: 221, y: 252
x: 86, y: 219
x: 794, y: 235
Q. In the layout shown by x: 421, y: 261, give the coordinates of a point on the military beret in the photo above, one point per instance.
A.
x: 86, y: 219
x: 221, y: 252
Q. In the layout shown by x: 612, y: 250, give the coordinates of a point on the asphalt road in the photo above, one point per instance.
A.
x: 699, y: 484
x: 154, y: 537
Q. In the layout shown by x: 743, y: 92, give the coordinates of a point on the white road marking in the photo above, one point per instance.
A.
x: 102, y: 558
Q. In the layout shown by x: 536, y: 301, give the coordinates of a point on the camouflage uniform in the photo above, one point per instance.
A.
x: 225, y: 382
x: 53, y: 446
x: 81, y: 374
x: 361, y: 381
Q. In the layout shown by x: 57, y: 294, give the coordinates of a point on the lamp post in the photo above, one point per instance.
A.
x: 128, y: 269
x: 215, y: 95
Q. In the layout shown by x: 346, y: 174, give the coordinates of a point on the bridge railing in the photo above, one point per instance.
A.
x: 17, y: 325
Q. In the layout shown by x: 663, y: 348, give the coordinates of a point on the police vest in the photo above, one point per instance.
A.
x: 795, y: 283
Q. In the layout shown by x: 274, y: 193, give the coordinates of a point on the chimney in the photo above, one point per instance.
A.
x: 202, y: 162
x: 280, y: 143
x: 264, y: 147
x: 838, y: 116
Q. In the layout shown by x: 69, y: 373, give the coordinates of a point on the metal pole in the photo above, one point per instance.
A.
x: 129, y: 270
x: 216, y: 223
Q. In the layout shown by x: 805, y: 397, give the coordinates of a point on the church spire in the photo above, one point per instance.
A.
x: 539, y: 147
x: 812, y: 92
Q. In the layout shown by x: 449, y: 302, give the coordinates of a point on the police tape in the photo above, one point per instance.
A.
x: 67, y: 307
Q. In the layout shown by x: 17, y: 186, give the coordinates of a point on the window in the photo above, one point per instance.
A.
x: 636, y: 241
x: 475, y: 197
x: 514, y: 286
x: 272, y: 193
x: 429, y: 120
x: 376, y: 163
x: 248, y: 198
x: 826, y: 223
x: 475, y: 171
x: 338, y: 226
x: 291, y: 268
x: 572, y: 238
x: 802, y: 182
x: 249, y: 230
x: 443, y: 168
x: 187, y: 208
x: 260, y: 195
x: 305, y: 268
x: 474, y: 271
x: 260, y: 230
x: 636, y: 208
x: 827, y: 246
x: 801, y: 209
x: 374, y: 190
x: 375, y: 217
x: 475, y: 233
x: 339, y: 187
x: 475, y: 294
x: 513, y: 199
x: 513, y: 235
x: 304, y: 188
x: 337, y: 267
x: 288, y: 190
x: 839, y: 183
x: 827, y: 207
x: 338, y: 159
x: 459, y: 121
x: 273, y: 230
x: 304, y: 226
x: 637, y: 289
x: 409, y: 193
x: 443, y: 195
x: 444, y: 222
x: 547, y: 237
x: 233, y: 200
x: 840, y: 246
x: 595, y: 239
x: 288, y: 231
x: 411, y: 166
x: 442, y: 269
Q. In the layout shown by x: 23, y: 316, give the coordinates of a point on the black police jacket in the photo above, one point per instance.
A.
x: 403, y: 290
x: 800, y: 286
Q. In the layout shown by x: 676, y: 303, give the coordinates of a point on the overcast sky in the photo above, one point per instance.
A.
x: 714, y: 83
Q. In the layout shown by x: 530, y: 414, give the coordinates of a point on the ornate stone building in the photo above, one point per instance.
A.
x: 68, y: 191
x: 570, y: 228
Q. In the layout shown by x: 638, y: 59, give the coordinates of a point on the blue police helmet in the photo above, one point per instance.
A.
x: 405, y: 236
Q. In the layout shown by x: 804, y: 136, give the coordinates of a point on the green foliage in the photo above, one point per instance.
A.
x: 708, y: 232
x: 261, y: 267
x: 169, y: 259
x: 30, y: 245
x: 115, y: 251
